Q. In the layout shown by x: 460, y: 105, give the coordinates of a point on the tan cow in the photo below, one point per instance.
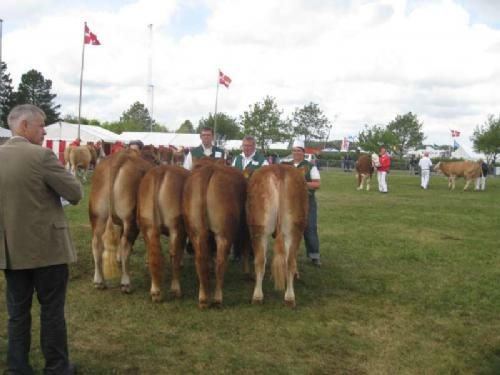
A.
x: 159, y: 211
x: 469, y: 170
x: 213, y: 204
x: 277, y: 204
x: 112, y: 212
x: 80, y: 158
x: 364, y: 171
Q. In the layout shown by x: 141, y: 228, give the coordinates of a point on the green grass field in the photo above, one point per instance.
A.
x: 410, y: 284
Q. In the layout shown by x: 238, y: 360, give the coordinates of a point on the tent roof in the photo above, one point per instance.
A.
x: 5, y: 133
x: 88, y: 133
x: 165, y: 139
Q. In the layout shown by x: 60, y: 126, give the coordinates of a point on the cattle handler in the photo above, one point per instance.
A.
x: 205, y: 149
x: 312, y: 177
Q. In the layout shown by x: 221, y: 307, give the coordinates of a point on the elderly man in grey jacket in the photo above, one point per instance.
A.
x: 35, y: 244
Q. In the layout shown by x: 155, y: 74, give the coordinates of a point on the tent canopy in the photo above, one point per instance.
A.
x: 162, y: 139
x: 88, y: 133
x: 5, y: 133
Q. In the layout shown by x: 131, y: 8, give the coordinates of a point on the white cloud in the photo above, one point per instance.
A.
x: 365, y: 61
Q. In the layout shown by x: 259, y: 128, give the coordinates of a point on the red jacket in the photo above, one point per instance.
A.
x: 385, y: 163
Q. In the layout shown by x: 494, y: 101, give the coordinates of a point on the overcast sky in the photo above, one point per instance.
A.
x: 363, y: 62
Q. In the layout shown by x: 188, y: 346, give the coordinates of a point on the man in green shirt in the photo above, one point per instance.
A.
x: 250, y: 159
x: 205, y: 149
x: 311, y: 174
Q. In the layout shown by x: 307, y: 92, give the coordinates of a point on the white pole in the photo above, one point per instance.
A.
x: 81, y: 82
x: 150, y: 76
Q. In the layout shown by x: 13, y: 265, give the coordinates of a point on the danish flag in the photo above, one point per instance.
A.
x: 224, y: 79
x: 89, y: 37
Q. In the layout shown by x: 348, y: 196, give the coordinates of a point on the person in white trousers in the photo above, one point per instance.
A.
x: 425, y: 165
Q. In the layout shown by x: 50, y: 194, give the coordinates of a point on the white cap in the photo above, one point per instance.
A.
x: 298, y: 143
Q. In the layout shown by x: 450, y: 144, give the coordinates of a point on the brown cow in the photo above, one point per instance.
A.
x: 159, y: 212
x: 364, y: 171
x: 80, y: 158
x: 469, y: 170
x: 277, y: 204
x: 112, y: 211
x: 213, y: 204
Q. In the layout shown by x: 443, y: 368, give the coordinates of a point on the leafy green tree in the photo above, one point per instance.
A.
x: 371, y: 138
x: 137, y: 118
x: 310, y: 123
x: 7, y: 95
x: 227, y: 128
x: 486, y: 138
x: 84, y: 121
x: 263, y: 121
x: 407, y: 131
x: 35, y: 89
x: 186, y: 127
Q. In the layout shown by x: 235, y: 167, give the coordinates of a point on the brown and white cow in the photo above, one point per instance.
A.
x: 213, y: 205
x: 277, y: 204
x: 364, y: 171
x: 469, y: 170
x: 159, y: 211
x: 112, y: 212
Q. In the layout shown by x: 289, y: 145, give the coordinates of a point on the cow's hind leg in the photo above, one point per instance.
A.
x: 98, y: 229
x: 202, y: 259
x: 155, y: 261
x: 130, y: 233
x: 259, y: 244
x: 176, y: 248
x: 223, y: 247
x: 292, y: 267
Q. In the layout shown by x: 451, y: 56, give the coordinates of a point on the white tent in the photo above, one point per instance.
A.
x: 464, y: 153
x: 5, y: 133
x: 165, y: 139
x: 64, y: 131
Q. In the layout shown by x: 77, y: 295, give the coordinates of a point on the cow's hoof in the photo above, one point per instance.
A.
x: 156, y: 297
x: 290, y: 304
x: 257, y: 301
x: 176, y: 293
x: 203, y: 305
x: 100, y: 286
x: 125, y: 288
x: 217, y: 303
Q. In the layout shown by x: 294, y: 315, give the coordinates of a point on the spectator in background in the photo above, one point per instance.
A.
x: 136, y: 145
x: 76, y: 142
x: 117, y: 146
x: 35, y: 243
x: 383, y: 169
x: 312, y: 177
x: 425, y: 165
x: 481, y: 181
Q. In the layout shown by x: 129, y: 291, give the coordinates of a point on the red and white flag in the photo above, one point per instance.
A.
x: 224, y: 79
x: 90, y: 38
x: 455, y: 133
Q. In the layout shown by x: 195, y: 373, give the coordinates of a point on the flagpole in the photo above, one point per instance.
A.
x: 81, y: 81
x: 215, y: 115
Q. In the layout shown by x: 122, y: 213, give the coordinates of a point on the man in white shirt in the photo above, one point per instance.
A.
x: 425, y: 165
x: 205, y: 149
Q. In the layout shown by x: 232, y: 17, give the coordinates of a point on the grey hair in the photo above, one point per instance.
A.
x: 250, y: 138
x: 23, y: 112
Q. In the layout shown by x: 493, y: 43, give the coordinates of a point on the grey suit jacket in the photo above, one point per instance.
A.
x: 33, y: 229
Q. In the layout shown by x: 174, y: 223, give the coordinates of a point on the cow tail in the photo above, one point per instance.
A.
x: 280, y: 261
x: 110, y: 241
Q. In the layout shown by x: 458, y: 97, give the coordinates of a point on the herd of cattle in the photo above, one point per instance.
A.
x: 469, y: 170
x: 213, y: 205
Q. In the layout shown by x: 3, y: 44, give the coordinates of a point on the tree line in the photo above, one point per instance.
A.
x: 264, y: 120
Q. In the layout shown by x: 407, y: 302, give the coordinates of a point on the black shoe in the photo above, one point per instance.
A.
x: 316, y: 262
